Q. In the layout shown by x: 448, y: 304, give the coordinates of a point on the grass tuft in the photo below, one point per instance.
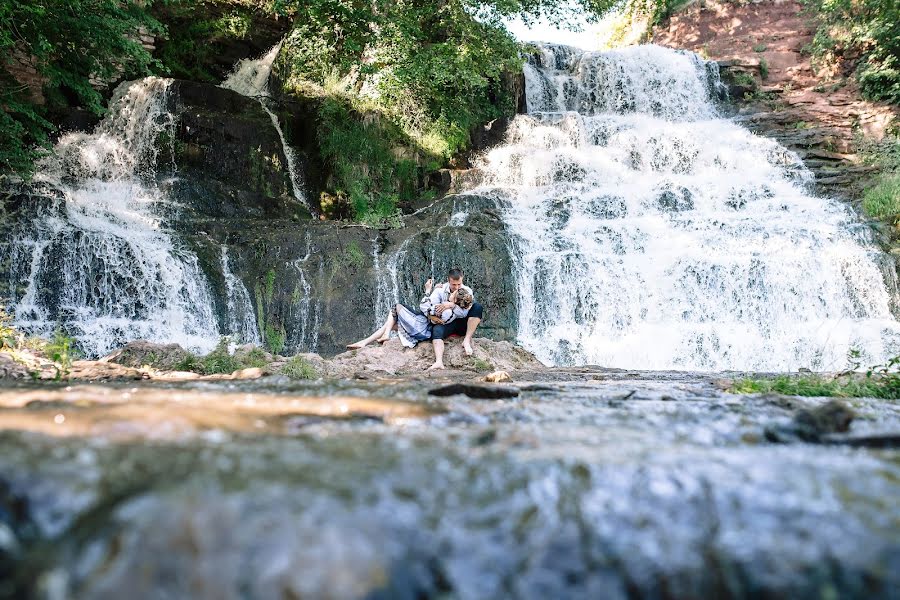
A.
x: 298, y: 367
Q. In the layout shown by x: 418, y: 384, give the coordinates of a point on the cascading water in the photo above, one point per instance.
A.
x: 307, y: 311
x: 97, y: 260
x: 251, y: 78
x: 651, y: 233
x: 241, y: 316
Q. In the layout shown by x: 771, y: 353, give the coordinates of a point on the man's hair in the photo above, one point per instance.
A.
x: 455, y: 273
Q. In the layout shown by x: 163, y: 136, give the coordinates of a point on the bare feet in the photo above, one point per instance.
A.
x: 435, y: 366
x: 467, y: 346
x: 382, y: 340
x: 356, y: 345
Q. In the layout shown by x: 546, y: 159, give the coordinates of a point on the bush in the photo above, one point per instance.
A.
x: 298, y: 367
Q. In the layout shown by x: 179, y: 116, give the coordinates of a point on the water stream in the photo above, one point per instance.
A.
x: 653, y: 233
x: 251, y: 78
x: 97, y: 258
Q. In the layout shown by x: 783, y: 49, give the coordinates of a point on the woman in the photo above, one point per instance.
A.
x: 412, y: 325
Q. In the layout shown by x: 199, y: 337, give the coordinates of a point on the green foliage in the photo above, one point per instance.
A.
x: 275, y: 337
x: 744, y: 80
x: 760, y: 48
x: 188, y: 363
x: 863, y: 30
x: 482, y: 365
x: 371, y: 170
x: 61, y: 350
x: 69, y: 42
x: 219, y: 360
x: 881, y: 381
x: 403, y: 84
x: 255, y: 358
x: 763, y: 68
x: 270, y: 285
x: 198, y: 31
x: 883, y: 200
x: 9, y: 337
x: 298, y: 367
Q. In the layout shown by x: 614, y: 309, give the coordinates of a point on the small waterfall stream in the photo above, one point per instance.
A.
x: 251, y: 78
x: 241, y: 315
x: 97, y: 258
x: 652, y: 233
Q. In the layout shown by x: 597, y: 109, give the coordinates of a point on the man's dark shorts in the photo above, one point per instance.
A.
x: 456, y: 327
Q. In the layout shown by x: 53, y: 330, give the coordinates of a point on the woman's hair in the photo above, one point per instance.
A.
x: 464, y: 299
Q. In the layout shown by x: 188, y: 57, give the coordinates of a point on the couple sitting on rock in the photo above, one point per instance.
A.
x: 446, y: 309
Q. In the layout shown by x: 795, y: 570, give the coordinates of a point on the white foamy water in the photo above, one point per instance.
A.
x: 251, y: 78
x: 652, y: 234
x: 100, y: 262
x: 241, y: 316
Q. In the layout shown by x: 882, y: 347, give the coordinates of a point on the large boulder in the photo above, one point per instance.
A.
x: 393, y: 359
x: 165, y: 357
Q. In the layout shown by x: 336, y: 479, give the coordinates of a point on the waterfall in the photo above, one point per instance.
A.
x: 387, y: 276
x: 308, y: 311
x: 251, y: 78
x: 96, y: 259
x: 241, y: 316
x: 652, y: 233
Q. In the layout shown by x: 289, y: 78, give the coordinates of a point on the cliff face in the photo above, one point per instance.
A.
x: 761, y: 48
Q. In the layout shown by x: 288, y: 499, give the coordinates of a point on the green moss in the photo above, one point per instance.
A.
x: 760, y: 47
x: 298, y: 368
x: 482, y: 365
x: 275, y: 337
x: 270, y: 285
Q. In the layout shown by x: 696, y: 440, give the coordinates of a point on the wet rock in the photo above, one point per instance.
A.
x: 811, y: 424
x: 165, y: 357
x: 885, y: 440
x: 12, y: 369
x: 480, y: 392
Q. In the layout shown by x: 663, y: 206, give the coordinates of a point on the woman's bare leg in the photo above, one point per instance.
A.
x: 389, y: 324
x: 383, y: 330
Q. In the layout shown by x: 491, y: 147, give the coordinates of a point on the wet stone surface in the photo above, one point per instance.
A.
x: 591, y: 483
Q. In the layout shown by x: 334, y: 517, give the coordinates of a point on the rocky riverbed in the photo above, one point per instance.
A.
x: 566, y: 482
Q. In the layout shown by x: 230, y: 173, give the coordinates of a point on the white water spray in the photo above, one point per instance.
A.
x: 99, y: 261
x: 651, y: 234
x: 241, y: 316
x: 251, y: 78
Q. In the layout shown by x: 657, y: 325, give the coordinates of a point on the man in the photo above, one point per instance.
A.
x: 466, y: 321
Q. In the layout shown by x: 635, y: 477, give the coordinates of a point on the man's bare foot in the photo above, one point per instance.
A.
x: 467, y: 346
x: 356, y: 345
x: 382, y: 340
x: 437, y: 365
